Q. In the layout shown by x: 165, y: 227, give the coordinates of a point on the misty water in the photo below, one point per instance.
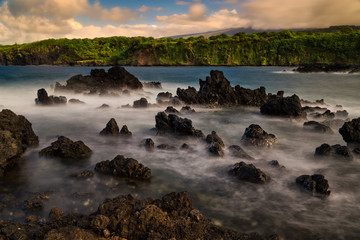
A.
x: 277, y: 207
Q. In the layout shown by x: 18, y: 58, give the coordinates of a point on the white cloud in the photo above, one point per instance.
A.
x: 145, y: 9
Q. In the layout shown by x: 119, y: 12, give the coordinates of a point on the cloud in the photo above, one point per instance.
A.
x: 145, y: 9
x: 183, y: 3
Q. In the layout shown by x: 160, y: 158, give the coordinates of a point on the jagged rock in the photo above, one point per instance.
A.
x: 335, y: 151
x: 44, y: 99
x: 276, y: 164
x: 341, y: 114
x: 148, y: 144
x: 187, y: 110
x: 66, y: 148
x: 248, y: 172
x: 124, y: 167
x: 318, y: 127
x: 216, y: 90
x: 16, y: 134
x: 76, y: 101
x: 216, y: 149
x: 237, y: 151
x: 284, y: 106
x: 55, y: 213
x: 99, y: 222
x: 85, y: 174
x: 176, y: 125
x: 141, y: 103
x: 163, y: 97
x: 171, y: 109
x: 111, y: 129
x: 166, y: 147
x: 33, y: 204
x: 213, y: 137
x: 316, y: 184
x: 153, y: 85
x: 117, y: 78
x: 125, y: 131
x: 254, y: 135
x: 185, y: 147
x: 350, y: 131
x: 327, y: 115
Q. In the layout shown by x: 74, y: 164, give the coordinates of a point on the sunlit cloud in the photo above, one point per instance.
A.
x: 145, y: 9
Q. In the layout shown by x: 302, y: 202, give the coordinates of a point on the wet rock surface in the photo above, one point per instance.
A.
x: 141, y: 103
x: 125, y: 131
x: 111, y: 129
x: 187, y: 110
x: 335, y: 152
x: 284, y: 106
x: 44, y: 99
x: 316, y: 184
x: 216, y: 90
x: 67, y: 149
x: 117, y: 78
x: 318, y: 127
x: 127, y: 217
x: 350, y: 131
x: 238, y: 152
x: 124, y: 167
x: 255, y: 136
x: 171, y: 109
x: 248, y: 172
x: 173, y: 124
x: 16, y: 135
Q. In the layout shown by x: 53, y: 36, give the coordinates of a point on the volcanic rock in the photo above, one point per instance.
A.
x: 124, y: 167
x: 318, y: 127
x: 248, y: 172
x: 350, y: 131
x: 316, y: 184
x: 76, y: 101
x: 141, y: 103
x: 171, y: 109
x: 153, y: 85
x: 284, y: 106
x: 216, y: 149
x: 238, y: 152
x: 125, y: 131
x: 326, y: 115
x: 341, y: 114
x: 44, y: 99
x: 85, y: 174
x: 254, y: 135
x: 111, y: 129
x: 66, y: 148
x: 16, y: 134
x: 166, y: 147
x: 335, y: 151
x: 187, y: 110
x: 148, y: 144
x: 117, y: 78
x: 163, y: 97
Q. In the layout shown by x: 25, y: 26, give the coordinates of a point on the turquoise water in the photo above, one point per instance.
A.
x: 277, y: 207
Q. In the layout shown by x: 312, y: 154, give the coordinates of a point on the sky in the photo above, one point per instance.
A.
x: 31, y: 20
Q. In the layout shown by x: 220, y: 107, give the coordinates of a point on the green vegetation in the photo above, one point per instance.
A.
x: 284, y: 48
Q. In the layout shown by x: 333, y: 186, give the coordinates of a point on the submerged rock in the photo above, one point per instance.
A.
x: 248, y: 172
x: 124, y: 167
x: 16, y: 135
x: 66, y: 148
x: 148, y: 144
x: 172, y: 124
x: 255, y: 136
x: 111, y: 129
x: 238, y: 152
x: 116, y: 79
x: 187, y: 110
x: 166, y: 147
x: 44, y: 99
x: 335, y: 151
x: 326, y: 115
x: 141, y: 103
x: 350, y: 131
x: 284, y: 106
x: 316, y: 184
x: 153, y: 85
x: 216, y: 90
x: 318, y: 127
x: 76, y: 101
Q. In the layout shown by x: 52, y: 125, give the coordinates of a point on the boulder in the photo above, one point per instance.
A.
x: 163, y: 97
x: 124, y: 167
x: 16, y: 135
x: 116, y: 79
x: 172, y: 124
x: 76, y: 101
x: 318, y: 127
x: 171, y: 109
x: 148, y: 144
x: 341, y: 114
x: 152, y: 85
x: 66, y: 148
x: 350, y: 131
x: 335, y: 151
x: 255, y: 136
x: 316, y: 184
x: 248, y: 172
x: 166, y: 147
x: 44, y: 99
x: 326, y: 115
x: 276, y: 164
x: 141, y: 103
x: 187, y: 110
x: 55, y: 213
x: 125, y: 131
x: 216, y: 149
x: 213, y: 137
x: 284, y: 106
x: 111, y: 129
x: 238, y: 152
x: 216, y: 90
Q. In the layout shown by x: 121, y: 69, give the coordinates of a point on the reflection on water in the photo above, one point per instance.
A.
x: 275, y: 207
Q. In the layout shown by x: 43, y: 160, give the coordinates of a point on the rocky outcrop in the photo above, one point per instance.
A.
x: 318, y: 67
x: 166, y: 147
x: 318, y: 127
x: 316, y: 184
x: 67, y: 149
x: 125, y: 131
x: 216, y: 144
x: 213, y: 137
x: 172, y: 124
x: 163, y: 97
x: 186, y: 110
x: 149, y: 144
x: 248, y: 172
x: 255, y: 136
x: 335, y: 152
x: 141, y: 103
x: 284, y: 106
x: 325, y: 115
x: 216, y: 90
x: 76, y: 101
x: 111, y: 129
x: 238, y: 152
x: 124, y: 167
x: 341, y: 114
x: 171, y: 109
x: 44, y: 99
x: 152, y: 85
x: 16, y: 134
x: 99, y: 81
x: 350, y: 131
